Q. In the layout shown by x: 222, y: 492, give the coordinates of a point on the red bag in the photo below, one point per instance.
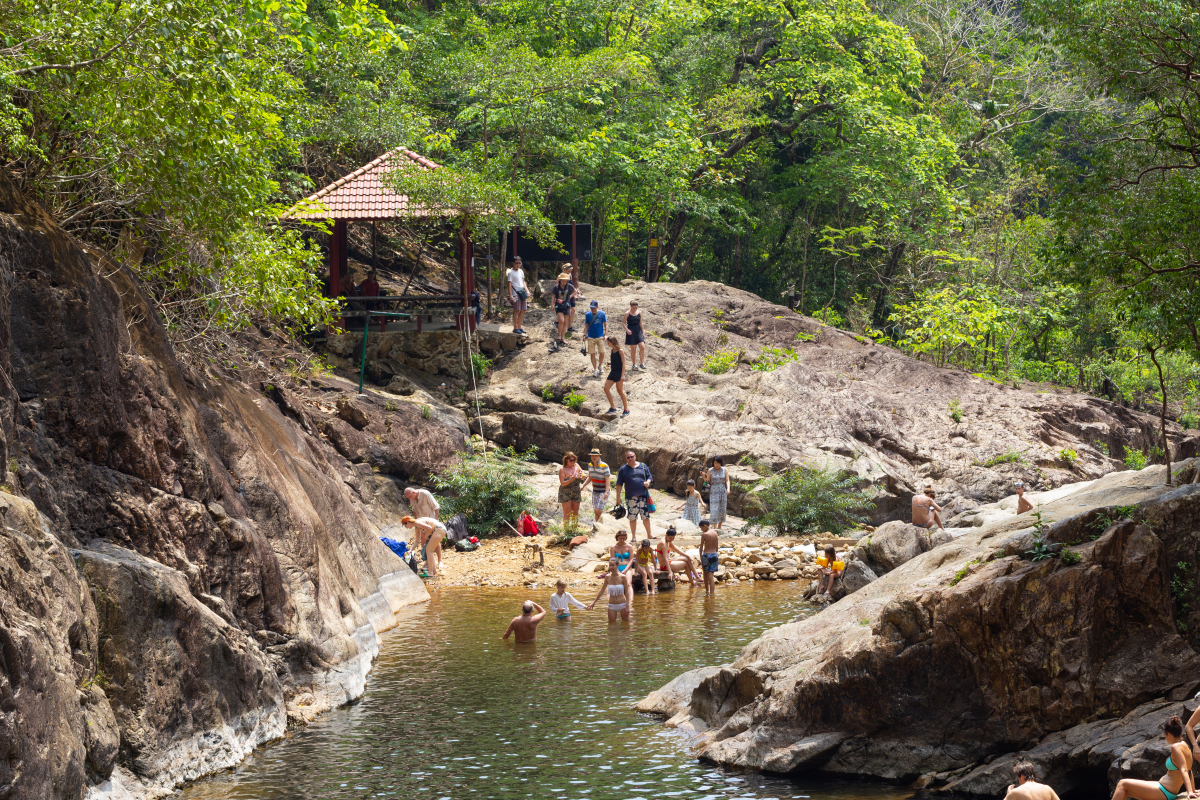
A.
x: 528, y: 526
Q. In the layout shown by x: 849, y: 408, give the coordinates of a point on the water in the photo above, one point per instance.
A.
x: 451, y: 711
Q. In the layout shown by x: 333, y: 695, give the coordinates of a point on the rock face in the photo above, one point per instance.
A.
x: 844, y: 402
x: 969, y: 650
x: 192, y: 554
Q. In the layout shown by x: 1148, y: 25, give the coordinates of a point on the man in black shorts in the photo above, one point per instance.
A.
x: 563, y: 295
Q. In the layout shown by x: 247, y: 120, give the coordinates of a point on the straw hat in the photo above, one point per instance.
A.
x: 564, y: 276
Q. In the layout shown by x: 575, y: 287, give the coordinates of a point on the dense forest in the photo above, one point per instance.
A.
x: 1008, y: 187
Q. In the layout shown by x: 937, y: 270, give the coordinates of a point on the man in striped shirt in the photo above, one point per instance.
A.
x: 599, y: 473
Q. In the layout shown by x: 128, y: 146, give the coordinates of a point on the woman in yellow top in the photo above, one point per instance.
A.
x: 645, y: 567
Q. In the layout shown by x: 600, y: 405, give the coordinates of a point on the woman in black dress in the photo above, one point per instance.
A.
x: 616, y: 377
x: 634, y: 336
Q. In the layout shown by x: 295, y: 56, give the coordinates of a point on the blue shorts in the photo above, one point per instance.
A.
x: 709, y: 562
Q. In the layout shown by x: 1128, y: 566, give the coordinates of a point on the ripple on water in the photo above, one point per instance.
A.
x: 451, y: 711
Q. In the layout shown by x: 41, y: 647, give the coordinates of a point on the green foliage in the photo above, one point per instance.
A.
x: 1181, y: 590
x: 574, y: 401
x: 1190, y: 420
x: 720, y: 361
x: 1068, y: 456
x: 1102, y: 447
x: 547, y: 392
x: 1135, y: 459
x: 390, y: 406
x: 830, y: 317
x: 772, y: 358
x: 956, y: 410
x: 426, y: 412
x: 490, y: 489
x: 801, y: 336
x: 1105, y: 521
x: 1070, y: 557
x: 962, y: 573
x: 804, y: 500
x: 1007, y: 457
x: 480, y: 363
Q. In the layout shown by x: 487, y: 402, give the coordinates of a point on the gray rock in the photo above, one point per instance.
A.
x: 676, y: 695
x: 856, y: 576
x: 895, y: 543
x: 784, y: 563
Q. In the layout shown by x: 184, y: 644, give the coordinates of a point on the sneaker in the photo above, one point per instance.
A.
x: 611, y: 411
x: 642, y: 367
x: 570, y: 330
x: 626, y: 414
x: 596, y: 374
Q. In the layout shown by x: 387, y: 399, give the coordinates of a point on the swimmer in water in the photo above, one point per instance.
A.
x: 1179, y: 771
x: 618, y: 600
x: 561, y: 601
x: 525, y: 626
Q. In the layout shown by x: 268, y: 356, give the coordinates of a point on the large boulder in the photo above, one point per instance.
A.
x: 896, y: 543
x: 856, y: 576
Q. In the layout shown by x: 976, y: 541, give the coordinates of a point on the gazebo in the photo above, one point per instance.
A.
x: 362, y: 196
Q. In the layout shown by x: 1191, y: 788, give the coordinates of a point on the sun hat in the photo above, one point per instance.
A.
x: 564, y: 276
x: 595, y: 451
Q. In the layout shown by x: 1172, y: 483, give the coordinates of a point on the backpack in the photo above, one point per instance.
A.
x: 465, y: 546
x: 456, y: 529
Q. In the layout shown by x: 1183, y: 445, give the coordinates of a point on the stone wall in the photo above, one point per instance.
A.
x: 394, y: 353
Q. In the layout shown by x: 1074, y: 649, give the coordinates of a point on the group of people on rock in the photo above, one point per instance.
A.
x: 564, y: 295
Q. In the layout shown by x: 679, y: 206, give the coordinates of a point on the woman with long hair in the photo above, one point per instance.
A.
x: 616, y: 377
x: 570, y: 477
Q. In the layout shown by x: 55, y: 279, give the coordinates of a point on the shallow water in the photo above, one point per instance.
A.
x: 451, y: 711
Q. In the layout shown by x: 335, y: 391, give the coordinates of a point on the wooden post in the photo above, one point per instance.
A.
x: 337, y: 260
x: 574, y: 258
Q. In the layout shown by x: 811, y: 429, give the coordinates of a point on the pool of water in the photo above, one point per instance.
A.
x: 453, y: 712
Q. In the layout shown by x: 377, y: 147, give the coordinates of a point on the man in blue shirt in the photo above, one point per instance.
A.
x: 597, y: 330
x: 635, y: 479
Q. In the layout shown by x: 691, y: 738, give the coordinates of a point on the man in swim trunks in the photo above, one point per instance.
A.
x: 708, y: 560
x: 925, y: 512
x: 1027, y: 786
x: 635, y: 479
x: 525, y: 626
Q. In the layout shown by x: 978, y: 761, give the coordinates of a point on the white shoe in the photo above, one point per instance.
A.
x: 596, y: 374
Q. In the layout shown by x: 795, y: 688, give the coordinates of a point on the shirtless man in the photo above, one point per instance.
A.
x: 525, y: 626
x: 925, y: 512
x: 1027, y: 787
x: 670, y: 558
x: 708, y: 560
x: 1023, y: 505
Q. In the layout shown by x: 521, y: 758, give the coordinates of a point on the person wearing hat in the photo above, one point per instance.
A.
x: 599, y: 472
x: 597, y: 331
x: 570, y: 270
x: 634, y: 337
x: 563, y: 293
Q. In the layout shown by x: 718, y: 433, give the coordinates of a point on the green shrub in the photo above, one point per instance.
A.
x: 547, y: 392
x: 805, y: 337
x: 489, y: 489
x: 830, y: 317
x: 962, y: 573
x: 574, y: 401
x: 1069, y: 557
x: 720, y: 362
x: 426, y: 412
x: 956, y: 410
x: 772, y: 358
x: 1007, y: 457
x: 1136, y: 459
x: 481, y: 363
x: 1069, y: 456
x: 812, y: 500
x: 1190, y: 420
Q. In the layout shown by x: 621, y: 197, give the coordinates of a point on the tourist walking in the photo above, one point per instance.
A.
x: 635, y: 479
x: 709, y: 560
x: 578, y: 295
x: 1178, y: 777
x: 570, y: 478
x: 692, y: 504
x: 599, y: 474
x: 671, y: 558
x: 597, y: 331
x: 718, y: 492
x: 1027, y: 786
x: 618, y: 598
x: 429, y: 534
x: 525, y: 626
x: 422, y: 502
x: 616, y: 377
x: 518, y: 294
x: 562, y: 294
x: 561, y: 601
x: 925, y: 511
x: 635, y: 337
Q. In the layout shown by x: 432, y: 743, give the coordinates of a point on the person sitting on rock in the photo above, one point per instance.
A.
x: 1023, y: 505
x: 671, y: 558
x: 1027, y: 786
x: 828, y: 573
x: 925, y: 511
x: 1179, y: 771
x: 525, y: 626
x: 645, y: 566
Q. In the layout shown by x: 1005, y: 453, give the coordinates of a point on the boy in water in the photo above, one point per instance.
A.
x: 709, y: 561
x: 561, y: 601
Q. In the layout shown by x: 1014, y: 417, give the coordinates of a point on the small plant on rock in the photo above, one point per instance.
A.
x: 1068, y: 456
x: 720, y: 362
x: 547, y: 392
x: 1007, y: 457
x: 1070, y: 557
x: 805, y: 337
x: 1190, y: 420
x: 772, y: 358
x: 962, y: 573
x: 956, y: 410
x: 1136, y: 459
x: 574, y: 401
x: 426, y: 412
x: 481, y: 363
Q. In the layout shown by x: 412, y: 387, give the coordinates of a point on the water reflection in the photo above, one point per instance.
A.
x: 451, y: 711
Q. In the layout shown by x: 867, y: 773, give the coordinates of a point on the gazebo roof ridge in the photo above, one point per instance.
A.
x: 362, y: 195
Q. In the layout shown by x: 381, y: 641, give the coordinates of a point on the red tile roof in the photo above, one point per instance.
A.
x: 362, y: 194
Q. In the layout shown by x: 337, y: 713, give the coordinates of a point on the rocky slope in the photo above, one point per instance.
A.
x: 186, y: 560
x: 844, y: 402
x: 970, y: 655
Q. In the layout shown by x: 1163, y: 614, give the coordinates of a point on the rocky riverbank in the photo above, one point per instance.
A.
x: 971, y: 654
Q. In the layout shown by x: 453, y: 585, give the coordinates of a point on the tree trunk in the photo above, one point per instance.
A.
x: 889, y: 271
x: 1162, y: 417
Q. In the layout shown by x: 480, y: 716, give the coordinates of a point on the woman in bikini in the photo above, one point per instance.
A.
x: 623, y: 554
x: 570, y: 477
x: 1179, y: 771
x: 618, y: 598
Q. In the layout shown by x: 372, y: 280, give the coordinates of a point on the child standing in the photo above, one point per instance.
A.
x: 561, y: 601
x: 692, y: 504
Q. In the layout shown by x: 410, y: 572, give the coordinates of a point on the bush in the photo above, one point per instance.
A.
x: 772, y: 358
x: 1007, y: 457
x: 1190, y: 420
x: 490, y: 489
x: 481, y: 363
x: 720, y: 362
x: 547, y: 392
x: 1069, y: 456
x: 574, y: 401
x: 1136, y: 459
x: 805, y: 500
